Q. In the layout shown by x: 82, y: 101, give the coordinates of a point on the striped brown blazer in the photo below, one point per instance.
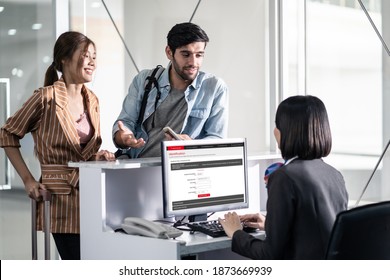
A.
x: 45, y: 114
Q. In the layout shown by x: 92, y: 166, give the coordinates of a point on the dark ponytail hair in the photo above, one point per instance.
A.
x: 64, y: 48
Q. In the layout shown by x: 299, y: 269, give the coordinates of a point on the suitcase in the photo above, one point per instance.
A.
x: 46, y: 196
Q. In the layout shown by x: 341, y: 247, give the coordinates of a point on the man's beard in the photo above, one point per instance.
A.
x: 182, y: 74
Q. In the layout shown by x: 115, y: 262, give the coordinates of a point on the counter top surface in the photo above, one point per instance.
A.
x: 150, y: 162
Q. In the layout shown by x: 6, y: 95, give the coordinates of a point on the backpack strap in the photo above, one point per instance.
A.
x: 150, y: 81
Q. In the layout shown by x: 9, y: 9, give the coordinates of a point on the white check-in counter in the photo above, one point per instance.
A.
x: 111, y: 191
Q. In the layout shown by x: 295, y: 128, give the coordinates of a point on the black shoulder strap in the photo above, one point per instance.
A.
x: 151, y: 80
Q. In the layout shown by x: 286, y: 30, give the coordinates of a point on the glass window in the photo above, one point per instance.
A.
x: 344, y: 69
x: 26, y: 43
x: 237, y: 52
x: 332, y: 51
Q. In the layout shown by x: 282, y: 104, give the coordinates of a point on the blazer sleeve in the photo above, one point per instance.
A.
x: 248, y: 246
x: 25, y: 120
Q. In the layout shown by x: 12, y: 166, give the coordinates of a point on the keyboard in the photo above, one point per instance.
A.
x: 212, y: 228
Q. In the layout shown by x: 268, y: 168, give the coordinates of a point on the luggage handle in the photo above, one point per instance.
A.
x: 46, y: 197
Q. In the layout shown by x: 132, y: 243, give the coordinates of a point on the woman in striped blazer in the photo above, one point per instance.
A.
x: 63, y: 118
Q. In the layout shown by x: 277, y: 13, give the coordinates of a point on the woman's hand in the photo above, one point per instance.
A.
x: 104, y: 155
x: 253, y: 220
x: 33, y: 188
x: 231, y: 223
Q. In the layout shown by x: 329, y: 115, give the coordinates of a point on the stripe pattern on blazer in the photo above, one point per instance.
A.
x: 45, y: 114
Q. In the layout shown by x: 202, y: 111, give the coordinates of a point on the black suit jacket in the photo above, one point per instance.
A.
x: 304, y: 198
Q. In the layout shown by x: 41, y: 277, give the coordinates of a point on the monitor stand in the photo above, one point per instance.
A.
x: 197, y: 218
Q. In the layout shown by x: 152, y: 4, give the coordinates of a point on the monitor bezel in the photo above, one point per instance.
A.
x: 209, y: 209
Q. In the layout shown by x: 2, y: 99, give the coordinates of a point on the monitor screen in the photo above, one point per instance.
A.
x: 204, y: 176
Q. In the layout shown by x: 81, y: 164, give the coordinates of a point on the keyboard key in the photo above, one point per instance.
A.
x: 212, y: 228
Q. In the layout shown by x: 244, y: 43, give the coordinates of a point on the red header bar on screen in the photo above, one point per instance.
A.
x: 175, y: 148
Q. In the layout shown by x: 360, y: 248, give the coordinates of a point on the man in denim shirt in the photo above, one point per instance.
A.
x: 193, y: 103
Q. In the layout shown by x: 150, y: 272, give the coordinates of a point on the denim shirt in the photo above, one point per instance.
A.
x: 207, y: 99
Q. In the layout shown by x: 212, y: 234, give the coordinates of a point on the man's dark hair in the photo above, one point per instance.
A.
x: 185, y: 33
x: 304, y: 128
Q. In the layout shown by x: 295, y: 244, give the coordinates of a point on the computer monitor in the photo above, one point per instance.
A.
x: 204, y: 176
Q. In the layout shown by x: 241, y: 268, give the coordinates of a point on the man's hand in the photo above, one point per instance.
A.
x: 124, y: 138
x: 168, y: 137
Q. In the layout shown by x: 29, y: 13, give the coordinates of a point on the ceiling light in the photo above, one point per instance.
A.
x: 11, y: 32
x: 1, y: 9
x: 36, y: 26
x: 19, y: 73
x: 46, y: 59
